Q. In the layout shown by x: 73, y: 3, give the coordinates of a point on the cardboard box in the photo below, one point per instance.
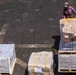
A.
x: 41, y: 63
x: 66, y: 37
x: 68, y: 29
x: 7, y: 58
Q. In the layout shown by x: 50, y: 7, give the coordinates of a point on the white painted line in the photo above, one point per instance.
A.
x: 3, y: 32
x: 33, y: 45
x: 21, y: 63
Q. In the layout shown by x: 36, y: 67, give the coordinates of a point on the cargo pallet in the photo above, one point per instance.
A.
x: 66, y: 53
x: 12, y: 69
x: 67, y: 47
x: 67, y: 70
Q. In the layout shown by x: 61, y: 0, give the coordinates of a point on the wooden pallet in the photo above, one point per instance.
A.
x: 12, y: 69
x: 67, y: 70
x: 67, y: 52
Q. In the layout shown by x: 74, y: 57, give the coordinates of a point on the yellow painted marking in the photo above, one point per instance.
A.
x: 21, y: 63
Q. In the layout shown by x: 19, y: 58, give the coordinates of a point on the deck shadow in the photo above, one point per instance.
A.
x: 56, y: 44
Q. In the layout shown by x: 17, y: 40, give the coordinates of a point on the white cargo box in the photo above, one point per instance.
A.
x: 67, y: 62
x: 41, y: 63
x: 7, y: 58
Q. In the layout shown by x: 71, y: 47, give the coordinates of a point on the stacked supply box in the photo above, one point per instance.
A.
x: 41, y: 63
x: 67, y: 47
x: 7, y: 58
x: 68, y: 29
x: 67, y: 63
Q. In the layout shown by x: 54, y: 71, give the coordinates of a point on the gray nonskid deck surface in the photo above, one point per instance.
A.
x: 32, y: 25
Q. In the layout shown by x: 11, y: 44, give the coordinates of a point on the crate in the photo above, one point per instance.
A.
x: 67, y: 63
x: 7, y: 58
x: 41, y: 63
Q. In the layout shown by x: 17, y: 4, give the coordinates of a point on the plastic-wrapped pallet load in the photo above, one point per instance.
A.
x: 67, y: 46
x: 68, y: 29
x: 67, y: 62
x: 41, y: 63
x: 7, y: 58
